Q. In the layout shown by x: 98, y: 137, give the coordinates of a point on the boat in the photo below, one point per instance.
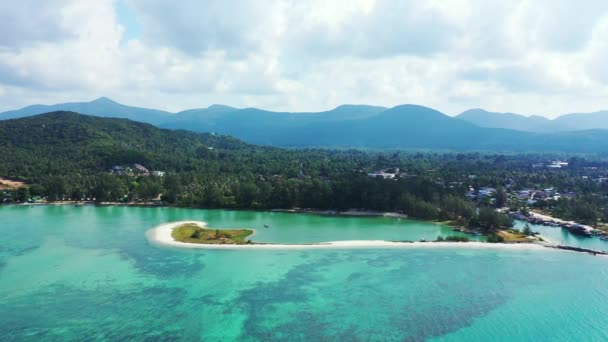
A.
x: 579, y: 230
x: 266, y: 226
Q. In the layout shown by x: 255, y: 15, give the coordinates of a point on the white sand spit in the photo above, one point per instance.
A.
x: 161, y: 235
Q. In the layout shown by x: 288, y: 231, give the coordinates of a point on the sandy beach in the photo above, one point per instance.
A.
x: 556, y: 220
x: 161, y: 235
x: 550, y: 218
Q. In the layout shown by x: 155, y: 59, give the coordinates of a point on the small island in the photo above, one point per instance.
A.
x: 194, y: 233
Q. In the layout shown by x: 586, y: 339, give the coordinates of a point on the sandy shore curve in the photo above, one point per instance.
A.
x: 161, y: 235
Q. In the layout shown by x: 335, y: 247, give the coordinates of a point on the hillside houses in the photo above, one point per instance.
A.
x: 134, y: 170
x: 557, y: 164
x: 528, y: 196
x: 141, y: 170
x: 381, y: 174
x: 385, y: 173
x: 119, y: 170
x: 486, y: 191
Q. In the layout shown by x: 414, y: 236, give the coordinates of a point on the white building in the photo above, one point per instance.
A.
x: 382, y: 174
x: 557, y: 164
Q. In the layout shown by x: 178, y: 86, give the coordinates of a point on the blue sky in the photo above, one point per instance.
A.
x: 543, y: 57
x: 127, y: 17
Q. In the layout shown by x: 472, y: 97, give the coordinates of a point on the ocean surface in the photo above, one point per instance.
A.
x: 89, y: 273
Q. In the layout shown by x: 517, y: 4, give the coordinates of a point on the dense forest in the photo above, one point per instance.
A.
x: 68, y: 156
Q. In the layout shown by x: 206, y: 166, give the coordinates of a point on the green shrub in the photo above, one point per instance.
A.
x: 456, y: 238
x: 196, y: 234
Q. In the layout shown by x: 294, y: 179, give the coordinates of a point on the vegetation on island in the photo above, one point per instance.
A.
x: 453, y: 238
x: 192, y: 233
x: 68, y: 156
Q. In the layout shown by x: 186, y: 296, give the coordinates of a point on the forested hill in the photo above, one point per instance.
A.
x: 69, y: 127
x: 67, y: 142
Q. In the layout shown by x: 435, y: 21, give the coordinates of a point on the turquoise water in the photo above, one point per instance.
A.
x: 88, y: 273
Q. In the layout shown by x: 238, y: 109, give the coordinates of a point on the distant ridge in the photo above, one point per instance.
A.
x: 535, y: 123
x: 102, y: 106
x: 359, y: 126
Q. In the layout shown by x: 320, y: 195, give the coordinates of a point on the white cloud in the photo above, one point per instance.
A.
x: 18, y: 29
x: 195, y: 27
x: 544, y: 57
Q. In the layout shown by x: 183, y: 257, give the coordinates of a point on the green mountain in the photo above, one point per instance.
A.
x: 534, y: 123
x: 65, y: 142
x: 102, y: 106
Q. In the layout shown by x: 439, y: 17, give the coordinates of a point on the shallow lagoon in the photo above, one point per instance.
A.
x: 69, y: 273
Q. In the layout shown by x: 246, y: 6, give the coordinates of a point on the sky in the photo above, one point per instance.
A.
x: 543, y: 57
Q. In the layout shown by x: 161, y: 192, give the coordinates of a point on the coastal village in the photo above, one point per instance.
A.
x: 530, y: 204
x: 134, y: 170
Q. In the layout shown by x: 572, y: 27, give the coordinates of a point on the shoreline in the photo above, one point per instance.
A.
x: 347, y: 213
x: 328, y: 212
x: 161, y: 235
x: 93, y: 204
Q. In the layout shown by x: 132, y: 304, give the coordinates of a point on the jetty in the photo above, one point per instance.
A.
x: 578, y: 249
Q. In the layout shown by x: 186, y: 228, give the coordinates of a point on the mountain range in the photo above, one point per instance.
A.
x: 535, y: 123
x: 359, y: 126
